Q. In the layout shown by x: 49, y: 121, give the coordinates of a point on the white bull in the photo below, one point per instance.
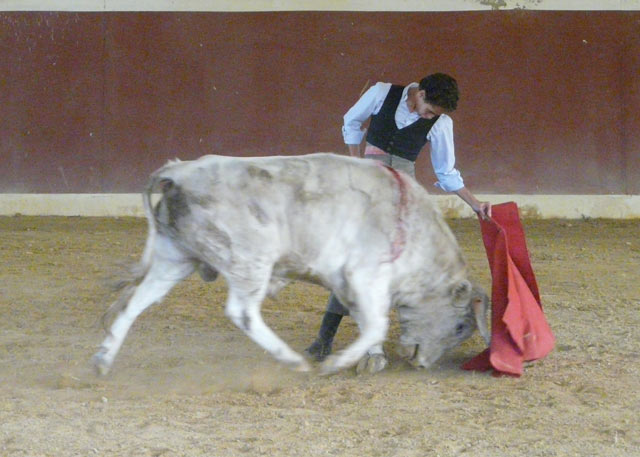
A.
x: 368, y: 233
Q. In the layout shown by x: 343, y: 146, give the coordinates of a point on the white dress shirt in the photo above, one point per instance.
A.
x: 440, y: 136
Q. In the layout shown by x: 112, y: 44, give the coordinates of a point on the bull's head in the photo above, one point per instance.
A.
x: 428, y: 331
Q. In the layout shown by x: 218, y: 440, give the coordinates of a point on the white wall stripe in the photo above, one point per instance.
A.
x: 316, y: 5
x: 531, y: 206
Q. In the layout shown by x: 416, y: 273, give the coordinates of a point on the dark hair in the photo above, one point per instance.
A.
x: 440, y: 90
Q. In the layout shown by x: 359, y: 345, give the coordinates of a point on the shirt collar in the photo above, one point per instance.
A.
x: 403, y: 101
x: 405, y: 91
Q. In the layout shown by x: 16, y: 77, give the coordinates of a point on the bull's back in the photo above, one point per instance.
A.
x: 307, y: 205
x: 302, y: 185
x: 272, y: 206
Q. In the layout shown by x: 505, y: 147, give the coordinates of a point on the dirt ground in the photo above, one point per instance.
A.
x: 188, y: 383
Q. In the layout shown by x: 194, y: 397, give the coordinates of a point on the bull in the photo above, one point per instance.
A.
x: 370, y: 234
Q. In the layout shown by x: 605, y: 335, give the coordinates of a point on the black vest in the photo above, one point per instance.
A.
x: 384, y: 134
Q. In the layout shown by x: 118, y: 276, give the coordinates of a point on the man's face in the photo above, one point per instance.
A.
x: 424, y: 109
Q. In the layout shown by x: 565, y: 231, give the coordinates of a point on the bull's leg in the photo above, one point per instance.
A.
x: 243, y: 308
x: 163, y: 274
x: 371, y: 315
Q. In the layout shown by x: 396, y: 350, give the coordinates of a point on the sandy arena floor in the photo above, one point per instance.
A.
x: 188, y: 383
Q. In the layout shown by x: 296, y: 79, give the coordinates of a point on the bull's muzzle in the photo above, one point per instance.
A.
x: 410, y: 354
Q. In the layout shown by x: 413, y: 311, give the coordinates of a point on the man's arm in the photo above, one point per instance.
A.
x: 483, y: 209
x: 353, y: 129
x: 443, y: 160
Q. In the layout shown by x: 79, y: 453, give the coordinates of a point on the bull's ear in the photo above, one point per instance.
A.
x: 462, y: 293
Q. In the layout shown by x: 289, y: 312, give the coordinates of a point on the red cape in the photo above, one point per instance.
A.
x: 519, y: 329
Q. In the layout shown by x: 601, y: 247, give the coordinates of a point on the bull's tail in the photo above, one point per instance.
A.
x: 133, y: 274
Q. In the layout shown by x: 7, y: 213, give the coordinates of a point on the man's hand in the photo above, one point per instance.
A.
x: 483, y: 209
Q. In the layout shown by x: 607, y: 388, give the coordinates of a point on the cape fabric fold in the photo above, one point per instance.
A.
x: 519, y: 329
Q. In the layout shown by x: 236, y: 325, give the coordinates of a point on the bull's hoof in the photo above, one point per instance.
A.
x: 100, y: 364
x: 330, y: 365
x: 319, y: 349
x: 298, y: 364
x: 371, y: 363
x: 301, y: 367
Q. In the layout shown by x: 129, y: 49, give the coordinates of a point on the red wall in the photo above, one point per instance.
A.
x: 93, y: 102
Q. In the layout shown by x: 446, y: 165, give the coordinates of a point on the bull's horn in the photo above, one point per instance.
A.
x: 480, y: 308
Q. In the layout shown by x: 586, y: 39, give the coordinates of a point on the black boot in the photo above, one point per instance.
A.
x: 321, y: 347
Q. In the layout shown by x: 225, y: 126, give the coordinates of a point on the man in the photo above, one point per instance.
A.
x: 403, y: 120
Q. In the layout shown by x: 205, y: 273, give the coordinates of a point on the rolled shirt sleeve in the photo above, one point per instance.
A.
x: 443, y: 157
x: 367, y: 105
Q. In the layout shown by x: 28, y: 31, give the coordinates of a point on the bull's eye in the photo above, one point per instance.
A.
x: 460, y: 329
